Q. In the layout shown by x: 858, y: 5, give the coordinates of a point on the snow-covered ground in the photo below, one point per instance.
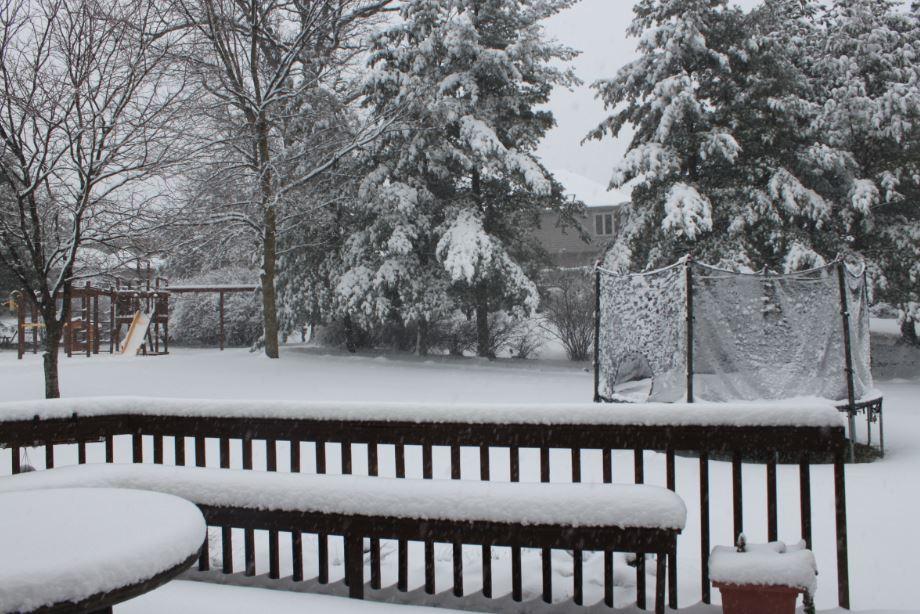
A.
x: 882, y: 497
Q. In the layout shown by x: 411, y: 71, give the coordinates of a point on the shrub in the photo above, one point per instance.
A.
x: 568, y: 311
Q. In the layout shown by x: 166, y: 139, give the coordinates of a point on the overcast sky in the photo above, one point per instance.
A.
x: 598, y: 29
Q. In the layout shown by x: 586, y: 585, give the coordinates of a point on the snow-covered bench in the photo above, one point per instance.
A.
x: 623, y: 517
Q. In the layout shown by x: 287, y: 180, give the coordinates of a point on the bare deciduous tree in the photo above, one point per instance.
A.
x: 89, y: 115
x: 281, y: 113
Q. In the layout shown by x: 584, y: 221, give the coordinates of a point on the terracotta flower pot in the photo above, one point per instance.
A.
x: 757, y: 598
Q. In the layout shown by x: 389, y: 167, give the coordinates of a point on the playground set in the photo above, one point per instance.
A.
x: 130, y: 318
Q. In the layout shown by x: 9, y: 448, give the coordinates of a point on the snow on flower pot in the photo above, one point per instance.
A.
x: 762, y: 578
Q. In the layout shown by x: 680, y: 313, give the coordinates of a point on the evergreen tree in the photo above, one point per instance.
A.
x: 456, y: 192
x: 728, y: 161
x: 682, y: 150
x: 871, y: 108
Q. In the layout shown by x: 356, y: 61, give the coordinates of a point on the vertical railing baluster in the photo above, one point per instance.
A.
x: 249, y: 537
x: 346, y: 458
x: 639, y: 478
x: 15, y: 461
x: 296, y: 536
x: 402, y: 546
x: 200, y: 461
x: 546, y: 553
x: 517, y: 593
x: 671, y: 479
x: 772, y: 522
x: 704, y: 527
x: 427, y: 472
x: 607, y: 471
x: 274, y: 545
x: 457, y: 558
x: 737, y: 492
x: 577, y: 554
x: 373, y: 469
x: 49, y: 456
x: 178, y: 450
x: 158, y: 449
x: 484, y: 471
x: 201, y: 458
x: 608, y: 578
x: 429, y: 567
x: 137, y: 448
x: 354, y: 566
x: 109, y: 449
x: 805, y: 498
x: 322, y: 540
x: 226, y: 532
x: 81, y: 452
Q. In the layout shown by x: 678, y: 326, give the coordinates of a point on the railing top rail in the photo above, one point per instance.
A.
x: 795, y: 413
x: 705, y: 428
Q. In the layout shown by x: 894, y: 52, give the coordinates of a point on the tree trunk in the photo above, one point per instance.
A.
x: 482, y: 329
x: 53, y: 333
x: 350, y: 343
x: 269, y: 308
x: 909, y: 330
x: 269, y: 244
x: 422, y: 338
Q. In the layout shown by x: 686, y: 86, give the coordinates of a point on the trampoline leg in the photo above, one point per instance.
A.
x: 852, y: 429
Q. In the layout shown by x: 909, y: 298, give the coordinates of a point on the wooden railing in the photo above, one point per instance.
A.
x: 186, y: 437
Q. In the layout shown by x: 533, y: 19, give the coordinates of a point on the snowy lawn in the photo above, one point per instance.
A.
x: 882, y: 497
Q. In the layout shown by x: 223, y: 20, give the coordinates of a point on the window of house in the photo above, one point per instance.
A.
x: 603, y: 224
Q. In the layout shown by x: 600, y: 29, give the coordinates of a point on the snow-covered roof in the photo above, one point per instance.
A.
x: 592, y: 193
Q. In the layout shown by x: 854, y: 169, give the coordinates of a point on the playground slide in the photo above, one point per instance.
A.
x: 137, y: 332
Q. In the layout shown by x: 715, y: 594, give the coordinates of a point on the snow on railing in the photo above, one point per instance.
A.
x: 790, y: 412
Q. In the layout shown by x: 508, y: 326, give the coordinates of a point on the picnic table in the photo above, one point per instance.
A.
x: 86, y: 549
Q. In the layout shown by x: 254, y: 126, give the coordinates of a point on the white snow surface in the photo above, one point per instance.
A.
x: 62, y: 545
x: 880, y: 499
x: 184, y: 597
x: 771, y: 564
x: 619, y: 505
x: 787, y: 412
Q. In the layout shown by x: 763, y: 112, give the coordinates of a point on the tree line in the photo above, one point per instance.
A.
x: 781, y: 137
x: 373, y: 161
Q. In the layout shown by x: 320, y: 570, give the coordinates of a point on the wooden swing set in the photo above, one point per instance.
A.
x: 128, y: 318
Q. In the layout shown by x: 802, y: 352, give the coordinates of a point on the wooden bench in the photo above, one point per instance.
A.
x: 622, y: 517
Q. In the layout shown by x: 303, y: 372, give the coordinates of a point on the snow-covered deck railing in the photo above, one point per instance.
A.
x: 627, y: 517
x: 325, y: 438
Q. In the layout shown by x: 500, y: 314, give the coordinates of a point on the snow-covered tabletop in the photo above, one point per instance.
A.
x: 61, y: 546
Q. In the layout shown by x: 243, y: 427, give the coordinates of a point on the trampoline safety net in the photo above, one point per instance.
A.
x: 754, y: 336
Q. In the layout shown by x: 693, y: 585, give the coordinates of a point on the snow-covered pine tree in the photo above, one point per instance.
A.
x: 457, y: 191
x: 728, y: 160
x: 870, y: 69
x: 682, y: 149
